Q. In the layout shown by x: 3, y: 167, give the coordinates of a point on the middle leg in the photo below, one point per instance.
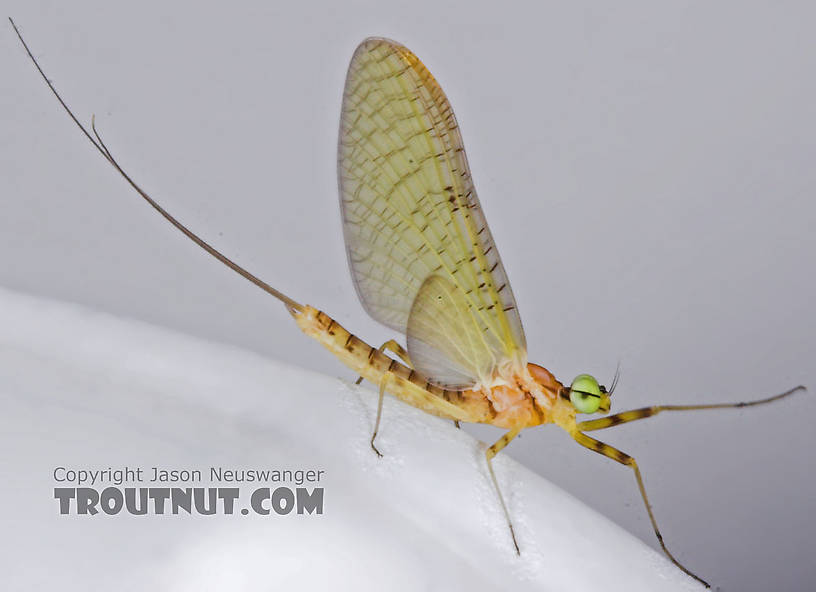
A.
x: 629, y: 461
x: 489, y: 454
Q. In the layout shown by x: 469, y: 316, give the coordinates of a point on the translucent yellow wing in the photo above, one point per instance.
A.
x: 443, y: 322
x: 421, y: 255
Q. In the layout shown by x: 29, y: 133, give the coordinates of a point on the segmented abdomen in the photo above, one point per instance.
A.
x: 403, y: 382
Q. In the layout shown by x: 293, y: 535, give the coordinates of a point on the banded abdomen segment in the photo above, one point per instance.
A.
x: 403, y: 382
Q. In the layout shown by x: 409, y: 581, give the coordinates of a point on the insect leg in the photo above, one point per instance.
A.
x: 625, y: 459
x: 644, y: 412
x: 383, y: 384
x: 489, y: 454
x: 402, y: 353
x: 395, y: 347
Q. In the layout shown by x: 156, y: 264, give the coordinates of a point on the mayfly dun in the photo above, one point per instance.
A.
x: 424, y: 264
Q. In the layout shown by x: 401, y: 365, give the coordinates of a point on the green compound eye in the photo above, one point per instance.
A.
x: 585, y: 394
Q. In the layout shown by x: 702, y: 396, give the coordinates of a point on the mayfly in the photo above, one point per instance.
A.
x: 424, y: 263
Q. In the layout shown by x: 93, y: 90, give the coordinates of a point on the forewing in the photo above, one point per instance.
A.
x: 410, y: 212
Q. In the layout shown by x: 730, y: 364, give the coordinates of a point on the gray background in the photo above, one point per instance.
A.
x: 647, y: 171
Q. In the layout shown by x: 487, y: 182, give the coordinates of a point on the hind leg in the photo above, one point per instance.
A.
x: 392, y: 346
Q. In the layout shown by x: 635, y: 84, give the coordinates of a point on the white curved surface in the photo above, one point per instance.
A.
x: 85, y: 389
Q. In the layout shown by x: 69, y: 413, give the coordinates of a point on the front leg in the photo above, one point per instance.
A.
x: 644, y: 412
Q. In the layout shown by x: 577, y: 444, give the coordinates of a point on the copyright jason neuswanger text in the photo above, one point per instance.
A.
x: 169, y: 491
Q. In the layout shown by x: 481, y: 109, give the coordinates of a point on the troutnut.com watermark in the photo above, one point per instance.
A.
x: 171, y: 491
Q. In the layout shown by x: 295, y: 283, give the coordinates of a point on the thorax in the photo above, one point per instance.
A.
x: 525, y: 397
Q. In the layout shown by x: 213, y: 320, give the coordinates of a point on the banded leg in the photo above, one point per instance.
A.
x: 383, y: 383
x: 644, y: 412
x: 489, y: 454
x: 625, y: 459
x: 396, y: 348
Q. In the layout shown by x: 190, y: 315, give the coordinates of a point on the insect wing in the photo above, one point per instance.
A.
x: 442, y: 322
x: 410, y: 213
